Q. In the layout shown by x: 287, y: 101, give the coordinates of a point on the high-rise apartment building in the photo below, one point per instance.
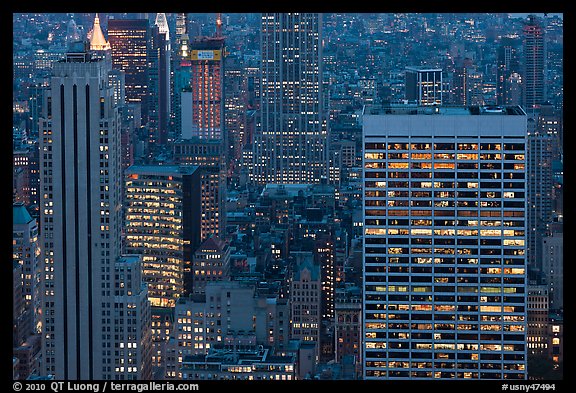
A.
x: 129, y: 42
x: 162, y: 224
x: 202, y: 139
x: 203, y: 103
x: 424, y: 85
x: 534, y: 64
x: 444, y: 211
x: 80, y: 217
x: 290, y: 143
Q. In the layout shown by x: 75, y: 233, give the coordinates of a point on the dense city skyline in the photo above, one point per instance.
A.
x: 287, y: 196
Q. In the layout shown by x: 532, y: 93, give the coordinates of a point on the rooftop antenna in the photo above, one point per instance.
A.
x: 218, y: 24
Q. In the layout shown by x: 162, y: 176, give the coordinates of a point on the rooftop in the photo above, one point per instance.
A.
x: 412, y: 109
x: 20, y: 214
x: 160, y: 170
x: 423, y: 68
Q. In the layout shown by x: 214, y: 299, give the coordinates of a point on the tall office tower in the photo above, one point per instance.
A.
x: 424, y: 85
x: 211, y: 262
x: 444, y: 244
x: 202, y: 117
x: 324, y: 257
x: 26, y: 252
x: 80, y: 217
x: 207, y: 154
x: 159, y: 62
x: 129, y: 42
x: 133, y: 340
x: 305, y: 302
x: 507, y: 64
x: 460, y: 81
x: 162, y: 224
x: 534, y: 64
x: 181, y: 65
x: 35, y: 94
x: 553, y: 268
x: 235, y: 96
x: 543, y: 145
x: 290, y: 143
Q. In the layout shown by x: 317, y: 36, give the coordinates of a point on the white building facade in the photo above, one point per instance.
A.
x: 444, y: 243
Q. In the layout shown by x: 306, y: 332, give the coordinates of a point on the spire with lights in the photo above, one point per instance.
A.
x: 97, y: 40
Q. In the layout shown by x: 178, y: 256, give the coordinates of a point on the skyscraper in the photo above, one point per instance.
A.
x: 507, y: 64
x: 444, y: 244
x: 208, y: 155
x: 159, y: 63
x: 181, y: 66
x: 162, y: 224
x: 534, y: 64
x: 204, y: 101
x: 129, y: 42
x: 424, y: 85
x: 80, y: 217
x: 290, y: 140
x: 203, y: 138
x: 26, y: 252
x: 27, y: 302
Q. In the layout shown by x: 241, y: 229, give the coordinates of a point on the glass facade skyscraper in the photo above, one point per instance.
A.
x: 129, y: 42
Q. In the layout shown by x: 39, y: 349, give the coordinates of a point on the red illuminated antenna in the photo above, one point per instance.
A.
x: 218, y: 24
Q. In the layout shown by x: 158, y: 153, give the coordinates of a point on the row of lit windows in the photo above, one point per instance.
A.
x: 443, y: 203
x: 437, y: 184
x: 448, y: 232
x: 443, y: 146
x: 437, y: 222
x: 444, y: 194
x: 437, y: 213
